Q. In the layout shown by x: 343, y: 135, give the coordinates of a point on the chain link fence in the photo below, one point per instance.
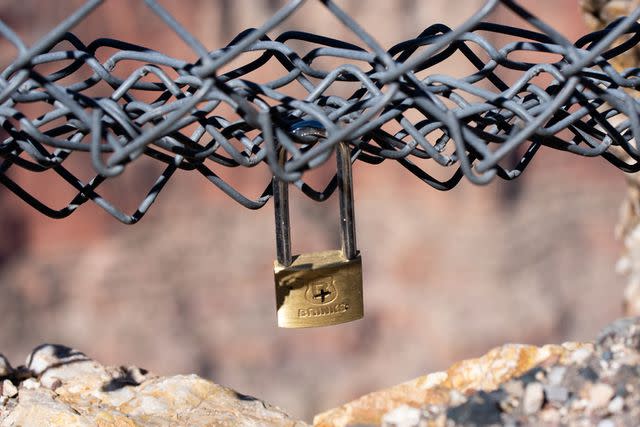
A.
x: 214, y: 113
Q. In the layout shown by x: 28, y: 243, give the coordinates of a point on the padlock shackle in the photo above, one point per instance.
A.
x: 347, y: 216
x: 345, y: 193
x: 281, y: 209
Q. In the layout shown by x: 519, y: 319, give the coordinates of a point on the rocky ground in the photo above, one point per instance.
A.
x: 574, y: 384
x: 60, y: 386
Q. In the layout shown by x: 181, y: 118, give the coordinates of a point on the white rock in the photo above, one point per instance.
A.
x: 51, y: 356
x: 579, y: 404
x: 580, y: 355
x: 556, y: 374
x: 514, y: 388
x: 402, y: 416
x: 150, y: 405
x: 117, y: 397
x: 5, y: 366
x: 550, y: 416
x: 606, y: 423
x: 456, y: 398
x: 8, y: 389
x: 137, y: 374
x: 556, y: 393
x: 533, y: 398
x: 57, y: 365
x: 600, y: 394
x: 616, y: 405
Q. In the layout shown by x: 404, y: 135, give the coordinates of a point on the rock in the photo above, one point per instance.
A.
x: 606, y: 423
x: 5, y: 366
x: 619, y: 335
x: 616, y: 405
x: 50, y: 356
x: 581, y: 355
x: 482, y: 409
x: 550, y: 416
x: 8, y: 389
x: 137, y: 375
x: 600, y: 395
x: 556, y: 375
x: 402, y: 416
x: 572, y: 384
x: 485, y: 373
x: 555, y: 393
x: 73, y: 390
x: 514, y: 388
x: 456, y: 398
x: 533, y: 398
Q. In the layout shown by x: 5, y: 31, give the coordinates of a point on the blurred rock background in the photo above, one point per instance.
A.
x: 189, y: 289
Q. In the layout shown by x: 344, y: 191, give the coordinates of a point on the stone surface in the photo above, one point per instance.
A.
x: 402, y: 416
x: 572, y: 384
x: 67, y: 388
x: 600, y: 395
x: 516, y: 385
x: 483, y: 374
x: 554, y: 393
x: 5, y: 366
x: 533, y: 398
x: 8, y: 389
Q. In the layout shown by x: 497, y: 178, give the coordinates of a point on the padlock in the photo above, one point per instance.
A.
x: 319, y: 288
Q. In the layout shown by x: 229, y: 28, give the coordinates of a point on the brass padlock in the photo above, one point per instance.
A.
x: 319, y: 288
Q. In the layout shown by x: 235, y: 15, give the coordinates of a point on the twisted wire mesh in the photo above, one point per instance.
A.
x: 191, y: 116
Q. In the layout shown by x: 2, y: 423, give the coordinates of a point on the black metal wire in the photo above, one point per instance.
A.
x: 467, y: 124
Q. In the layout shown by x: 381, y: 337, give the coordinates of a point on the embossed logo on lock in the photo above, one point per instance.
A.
x: 321, y: 292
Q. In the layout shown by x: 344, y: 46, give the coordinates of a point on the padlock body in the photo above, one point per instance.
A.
x: 319, y: 289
